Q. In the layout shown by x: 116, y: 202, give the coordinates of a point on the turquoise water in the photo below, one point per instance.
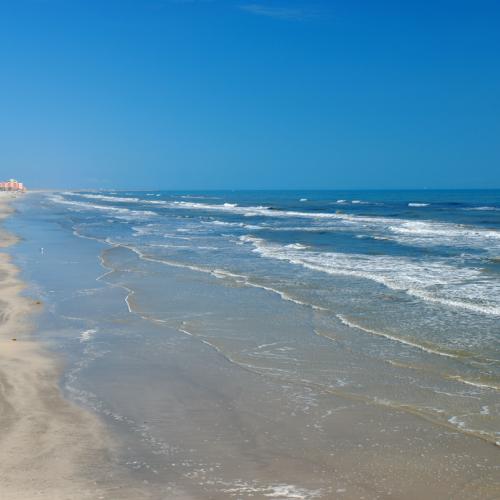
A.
x: 385, y: 299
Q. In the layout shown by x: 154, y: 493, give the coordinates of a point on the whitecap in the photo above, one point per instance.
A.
x: 296, y: 246
x: 87, y: 335
x: 485, y: 209
x: 103, y: 197
x: 429, y: 280
x: 120, y: 211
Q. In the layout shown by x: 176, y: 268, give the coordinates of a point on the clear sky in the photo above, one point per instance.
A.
x: 249, y: 94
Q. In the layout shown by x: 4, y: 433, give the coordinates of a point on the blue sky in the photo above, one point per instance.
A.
x: 249, y: 94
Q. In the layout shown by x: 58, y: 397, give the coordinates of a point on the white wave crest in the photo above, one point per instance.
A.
x: 484, y: 209
x: 87, y: 335
x: 431, y: 281
x: 404, y: 231
x: 106, y: 208
x: 103, y: 197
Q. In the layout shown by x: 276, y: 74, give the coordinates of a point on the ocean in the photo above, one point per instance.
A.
x: 278, y: 344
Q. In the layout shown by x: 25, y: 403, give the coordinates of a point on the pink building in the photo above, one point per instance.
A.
x: 12, y: 185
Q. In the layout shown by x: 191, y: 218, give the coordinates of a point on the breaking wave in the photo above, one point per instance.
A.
x: 431, y: 281
x: 106, y: 208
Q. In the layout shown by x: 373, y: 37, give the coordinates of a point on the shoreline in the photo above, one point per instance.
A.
x: 40, y: 453
x: 49, y: 447
x: 140, y: 410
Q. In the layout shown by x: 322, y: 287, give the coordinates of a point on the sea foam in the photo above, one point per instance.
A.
x: 429, y: 280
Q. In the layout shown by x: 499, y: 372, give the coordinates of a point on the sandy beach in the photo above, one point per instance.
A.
x: 45, y: 441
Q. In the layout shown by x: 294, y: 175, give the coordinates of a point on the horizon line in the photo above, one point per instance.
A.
x: 32, y: 190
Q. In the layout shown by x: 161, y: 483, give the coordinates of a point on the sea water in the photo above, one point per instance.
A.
x: 223, y: 333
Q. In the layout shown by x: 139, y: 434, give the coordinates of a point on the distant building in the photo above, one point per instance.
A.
x: 12, y: 185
